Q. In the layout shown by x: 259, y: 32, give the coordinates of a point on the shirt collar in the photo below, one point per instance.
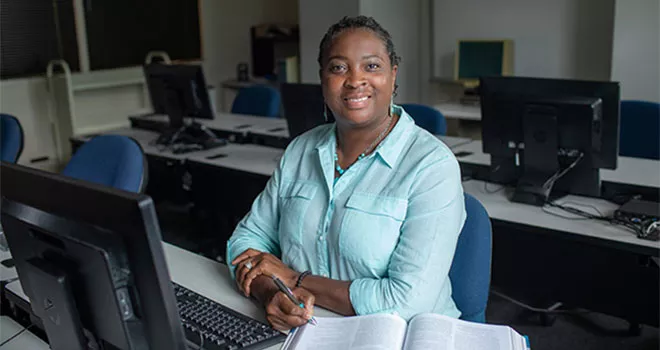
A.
x: 389, y: 149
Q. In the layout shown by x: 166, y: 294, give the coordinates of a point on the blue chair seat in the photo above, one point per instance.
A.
x: 111, y: 160
x: 260, y: 100
x: 470, y: 269
x: 11, y: 138
x: 427, y: 118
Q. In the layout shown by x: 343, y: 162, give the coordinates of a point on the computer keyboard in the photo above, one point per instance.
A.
x: 219, y: 326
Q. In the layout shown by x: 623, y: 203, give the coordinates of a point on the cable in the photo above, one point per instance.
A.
x: 15, y: 335
x: 552, y: 179
x: 639, y: 229
x: 535, y: 309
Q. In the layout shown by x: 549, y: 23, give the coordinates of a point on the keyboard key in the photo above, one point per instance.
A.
x: 221, y: 328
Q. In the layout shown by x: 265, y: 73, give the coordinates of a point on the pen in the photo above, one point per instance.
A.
x: 284, y: 289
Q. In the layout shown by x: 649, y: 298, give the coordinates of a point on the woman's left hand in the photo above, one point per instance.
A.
x: 252, y: 263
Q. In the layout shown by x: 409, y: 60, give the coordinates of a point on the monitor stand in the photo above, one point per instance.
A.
x: 53, y: 303
x: 542, y: 160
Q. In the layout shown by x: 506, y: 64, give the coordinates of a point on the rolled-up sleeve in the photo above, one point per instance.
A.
x: 417, y: 278
x: 258, y: 229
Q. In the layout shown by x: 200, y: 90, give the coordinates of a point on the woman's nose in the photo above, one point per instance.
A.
x: 355, y: 79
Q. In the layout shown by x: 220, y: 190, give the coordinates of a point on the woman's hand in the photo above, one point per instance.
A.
x: 283, y: 314
x: 252, y: 263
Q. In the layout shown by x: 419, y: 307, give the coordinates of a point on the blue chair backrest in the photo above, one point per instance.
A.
x: 112, y: 160
x: 470, y: 269
x: 258, y: 100
x: 427, y: 118
x: 11, y: 138
x: 640, y: 129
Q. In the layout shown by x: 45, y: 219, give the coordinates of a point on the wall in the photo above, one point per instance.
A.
x: 557, y: 39
x: 316, y: 16
x: 226, y: 31
x: 401, y: 19
x: 636, y: 51
x: 28, y: 97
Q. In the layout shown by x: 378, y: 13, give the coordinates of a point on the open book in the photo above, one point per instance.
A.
x: 384, y: 332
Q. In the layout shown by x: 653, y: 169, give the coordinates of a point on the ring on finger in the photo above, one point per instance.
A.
x: 248, y: 265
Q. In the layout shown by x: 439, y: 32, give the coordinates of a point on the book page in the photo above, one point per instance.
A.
x: 431, y: 331
x: 371, y: 332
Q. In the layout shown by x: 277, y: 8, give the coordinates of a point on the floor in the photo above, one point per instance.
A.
x: 583, y: 330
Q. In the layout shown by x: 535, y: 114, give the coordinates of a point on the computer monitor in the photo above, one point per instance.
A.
x: 551, y: 136
x: 178, y: 91
x: 482, y: 58
x: 91, y: 261
x: 303, y: 107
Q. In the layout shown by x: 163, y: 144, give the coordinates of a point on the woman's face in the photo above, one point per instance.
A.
x: 358, y: 78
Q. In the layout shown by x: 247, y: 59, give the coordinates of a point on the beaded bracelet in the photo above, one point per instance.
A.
x: 301, y: 277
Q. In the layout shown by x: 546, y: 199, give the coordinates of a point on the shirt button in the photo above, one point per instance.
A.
x: 324, y: 275
x: 321, y: 238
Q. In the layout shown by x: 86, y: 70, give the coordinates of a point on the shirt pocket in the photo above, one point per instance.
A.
x: 370, y: 229
x: 295, y: 199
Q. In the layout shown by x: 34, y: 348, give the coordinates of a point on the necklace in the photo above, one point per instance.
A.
x: 366, y: 151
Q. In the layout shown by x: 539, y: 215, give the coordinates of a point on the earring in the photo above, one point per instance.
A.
x: 391, y: 106
x: 325, y: 112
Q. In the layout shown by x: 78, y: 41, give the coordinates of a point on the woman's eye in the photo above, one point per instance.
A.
x: 373, y: 66
x: 336, y: 68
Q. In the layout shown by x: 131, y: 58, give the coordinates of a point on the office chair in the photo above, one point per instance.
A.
x: 640, y: 129
x: 470, y: 270
x: 111, y: 160
x: 427, y: 117
x: 11, y: 138
x: 260, y: 100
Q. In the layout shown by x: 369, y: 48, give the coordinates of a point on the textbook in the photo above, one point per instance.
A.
x: 383, y: 331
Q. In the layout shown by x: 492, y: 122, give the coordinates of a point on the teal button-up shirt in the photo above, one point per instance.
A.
x: 389, y: 224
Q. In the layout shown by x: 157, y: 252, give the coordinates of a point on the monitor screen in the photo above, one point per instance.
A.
x: 482, y: 58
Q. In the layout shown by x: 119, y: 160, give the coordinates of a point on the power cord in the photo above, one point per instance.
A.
x: 643, y: 229
x: 535, y: 309
x: 552, y: 179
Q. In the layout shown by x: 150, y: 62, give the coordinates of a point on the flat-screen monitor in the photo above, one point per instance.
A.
x: 178, y: 91
x: 90, y: 259
x: 549, y: 135
x: 482, y: 58
x: 303, y: 107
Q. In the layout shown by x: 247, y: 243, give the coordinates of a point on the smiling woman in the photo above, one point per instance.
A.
x: 362, y: 215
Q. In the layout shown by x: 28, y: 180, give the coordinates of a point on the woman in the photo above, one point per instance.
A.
x: 365, y: 213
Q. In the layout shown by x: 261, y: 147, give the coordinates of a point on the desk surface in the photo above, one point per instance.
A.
x: 459, y: 111
x: 631, y: 171
x: 5, y: 272
x: 210, y: 279
x: 499, y: 207
x: 235, y: 123
x: 24, y: 341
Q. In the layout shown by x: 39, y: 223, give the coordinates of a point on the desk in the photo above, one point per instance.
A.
x: 210, y: 279
x: 455, y: 110
x: 24, y: 341
x: 234, y: 127
x: 6, y: 273
x: 630, y: 171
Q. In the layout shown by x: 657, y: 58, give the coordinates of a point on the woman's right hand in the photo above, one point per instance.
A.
x: 283, y: 314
